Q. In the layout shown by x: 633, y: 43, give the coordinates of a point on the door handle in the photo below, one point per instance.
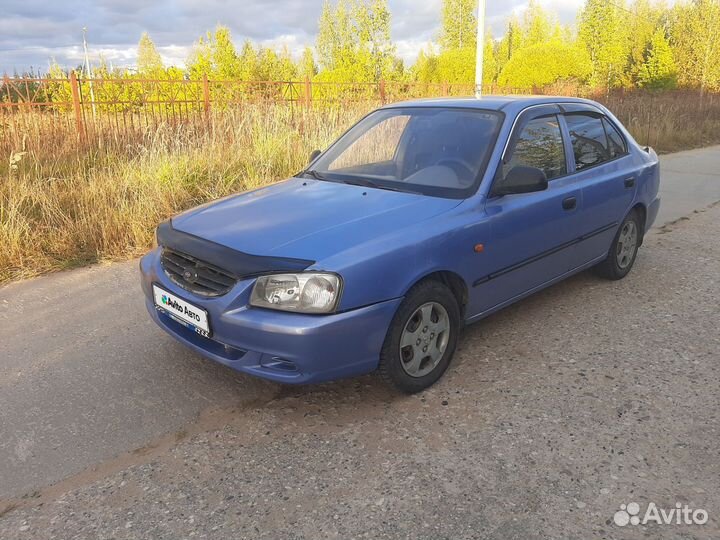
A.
x: 630, y: 182
x: 569, y: 203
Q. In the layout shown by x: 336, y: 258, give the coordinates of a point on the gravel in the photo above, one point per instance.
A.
x: 557, y: 410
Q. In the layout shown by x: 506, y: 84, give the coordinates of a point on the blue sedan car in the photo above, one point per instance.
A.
x: 423, y: 217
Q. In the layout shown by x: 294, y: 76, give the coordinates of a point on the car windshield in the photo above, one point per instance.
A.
x: 430, y: 150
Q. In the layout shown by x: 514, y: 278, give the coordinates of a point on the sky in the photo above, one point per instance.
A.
x: 32, y: 31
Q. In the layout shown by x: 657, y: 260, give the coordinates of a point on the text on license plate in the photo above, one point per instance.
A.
x: 182, y: 311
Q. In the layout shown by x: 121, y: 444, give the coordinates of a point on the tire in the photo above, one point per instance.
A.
x: 428, y: 323
x: 623, y: 250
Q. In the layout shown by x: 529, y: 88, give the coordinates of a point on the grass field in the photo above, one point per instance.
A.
x: 63, y: 204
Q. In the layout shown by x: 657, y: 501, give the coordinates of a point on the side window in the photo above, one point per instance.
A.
x: 539, y: 145
x: 617, y: 143
x: 588, y: 139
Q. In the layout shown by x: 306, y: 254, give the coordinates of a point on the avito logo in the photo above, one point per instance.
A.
x: 629, y: 514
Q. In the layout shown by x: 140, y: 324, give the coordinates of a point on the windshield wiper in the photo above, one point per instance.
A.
x: 361, y: 182
x: 316, y: 175
x: 357, y: 181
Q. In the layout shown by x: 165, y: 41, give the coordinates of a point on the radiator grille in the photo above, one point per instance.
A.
x: 195, y: 275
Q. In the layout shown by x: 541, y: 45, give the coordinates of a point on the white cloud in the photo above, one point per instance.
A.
x: 32, y: 32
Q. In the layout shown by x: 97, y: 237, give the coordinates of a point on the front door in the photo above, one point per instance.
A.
x: 531, y: 235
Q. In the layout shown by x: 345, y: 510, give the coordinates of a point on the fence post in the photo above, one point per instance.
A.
x: 381, y: 88
x: 444, y: 88
x: 77, y: 108
x: 308, y: 92
x: 206, y: 95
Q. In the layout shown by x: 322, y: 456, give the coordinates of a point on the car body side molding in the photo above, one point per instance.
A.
x: 544, y: 254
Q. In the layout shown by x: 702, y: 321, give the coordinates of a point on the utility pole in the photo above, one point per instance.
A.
x: 88, y: 71
x: 480, y: 48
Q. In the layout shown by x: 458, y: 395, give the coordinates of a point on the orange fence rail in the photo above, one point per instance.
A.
x: 105, y: 111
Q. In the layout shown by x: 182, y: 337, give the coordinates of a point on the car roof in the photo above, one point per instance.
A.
x: 510, y: 103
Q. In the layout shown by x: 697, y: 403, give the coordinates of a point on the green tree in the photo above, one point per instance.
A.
x: 658, y: 70
x: 353, y: 42
x: 457, y: 66
x: 307, y: 67
x: 224, y: 55
x: 695, y: 38
x: 489, y: 63
x: 536, y: 26
x: 148, y: 58
x: 510, y: 42
x: 334, y: 40
x: 59, y: 91
x: 214, y: 55
x: 546, y: 63
x: 459, y: 24
x: 425, y: 68
x: 602, y: 31
x: 643, y: 21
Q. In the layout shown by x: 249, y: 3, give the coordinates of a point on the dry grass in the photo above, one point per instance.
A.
x: 104, y: 204
x: 668, y: 121
x: 63, y: 204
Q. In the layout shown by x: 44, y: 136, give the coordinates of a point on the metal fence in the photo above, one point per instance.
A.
x: 114, y: 111
x: 136, y: 102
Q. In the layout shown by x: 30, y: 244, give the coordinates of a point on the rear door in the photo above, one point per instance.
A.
x: 604, y: 171
x: 531, y: 234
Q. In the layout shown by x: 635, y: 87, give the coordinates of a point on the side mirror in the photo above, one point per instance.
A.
x: 313, y: 155
x: 521, y: 179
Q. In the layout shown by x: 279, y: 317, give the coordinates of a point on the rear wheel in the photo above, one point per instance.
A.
x: 623, y: 250
x: 422, y: 337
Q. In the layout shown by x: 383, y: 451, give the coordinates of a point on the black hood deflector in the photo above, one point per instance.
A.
x: 239, y: 263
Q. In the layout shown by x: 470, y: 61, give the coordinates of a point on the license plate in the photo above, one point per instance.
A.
x: 182, y: 311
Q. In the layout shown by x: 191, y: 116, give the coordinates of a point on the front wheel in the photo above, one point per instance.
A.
x: 623, y: 250
x: 422, y: 337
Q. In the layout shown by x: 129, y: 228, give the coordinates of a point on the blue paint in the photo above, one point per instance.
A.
x: 383, y: 242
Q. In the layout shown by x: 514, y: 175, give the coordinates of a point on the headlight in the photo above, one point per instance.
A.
x: 307, y: 292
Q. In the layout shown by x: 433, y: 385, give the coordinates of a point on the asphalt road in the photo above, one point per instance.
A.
x: 88, y: 386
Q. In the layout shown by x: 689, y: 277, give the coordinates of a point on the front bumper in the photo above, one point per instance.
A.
x: 279, y: 346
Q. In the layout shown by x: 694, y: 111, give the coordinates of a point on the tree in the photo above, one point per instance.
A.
x: 425, y: 69
x: 658, y: 70
x: 511, y: 42
x: 602, y: 31
x: 643, y: 22
x: 536, y: 26
x: 334, y: 39
x: 353, y: 42
x: 695, y: 38
x: 307, y: 66
x: 489, y: 65
x: 149, y: 61
x: 214, y: 55
x: 459, y: 24
x: 457, y: 66
x: 224, y: 55
x: 545, y: 63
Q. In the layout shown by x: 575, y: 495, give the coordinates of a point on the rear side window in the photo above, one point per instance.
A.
x: 539, y: 145
x: 617, y: 143
x: 588, y: 139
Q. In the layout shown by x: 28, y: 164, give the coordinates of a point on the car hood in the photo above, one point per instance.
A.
x: 306, y: 218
